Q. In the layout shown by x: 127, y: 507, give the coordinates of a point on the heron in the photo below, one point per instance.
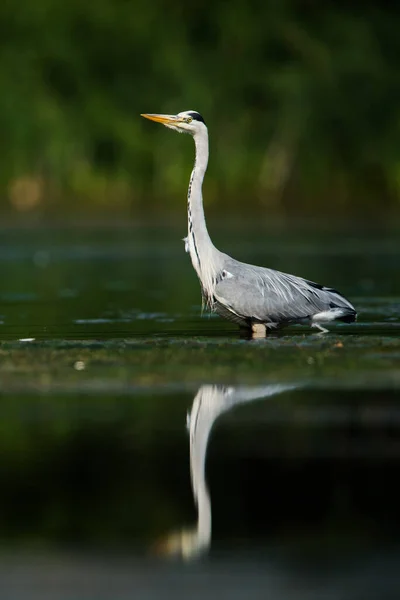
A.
x: 258, y: 299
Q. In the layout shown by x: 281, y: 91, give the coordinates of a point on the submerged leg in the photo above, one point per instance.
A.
x: 259, y: 330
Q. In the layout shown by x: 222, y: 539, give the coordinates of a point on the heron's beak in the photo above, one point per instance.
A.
x: 164, y: 119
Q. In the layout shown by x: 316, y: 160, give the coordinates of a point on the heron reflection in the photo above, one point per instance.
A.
x: 210, y: 402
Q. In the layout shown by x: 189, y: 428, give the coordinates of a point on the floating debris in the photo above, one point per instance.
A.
x: 79, y: 365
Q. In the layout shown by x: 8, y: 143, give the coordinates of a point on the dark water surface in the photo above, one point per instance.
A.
x: 145, y: 446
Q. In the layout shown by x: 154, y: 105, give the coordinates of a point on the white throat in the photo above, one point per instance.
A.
x: 205, y: 257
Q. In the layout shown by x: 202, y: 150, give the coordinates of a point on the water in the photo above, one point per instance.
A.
x: 145, y: 446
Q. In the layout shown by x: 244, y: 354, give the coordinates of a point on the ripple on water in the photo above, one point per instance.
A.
x: 99, y: 321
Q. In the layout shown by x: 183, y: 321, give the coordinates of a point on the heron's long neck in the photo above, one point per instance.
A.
x: 202, y: 251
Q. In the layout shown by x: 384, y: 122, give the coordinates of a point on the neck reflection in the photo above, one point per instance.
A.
x: 210, y: 402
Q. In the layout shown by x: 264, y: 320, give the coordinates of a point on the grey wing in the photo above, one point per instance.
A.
x: 270, y: 296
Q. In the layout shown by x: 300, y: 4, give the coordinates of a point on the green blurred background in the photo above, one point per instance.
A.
x: 301, y: 99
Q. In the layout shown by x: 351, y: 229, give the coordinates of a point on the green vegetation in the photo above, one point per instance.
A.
x: 301, y: 99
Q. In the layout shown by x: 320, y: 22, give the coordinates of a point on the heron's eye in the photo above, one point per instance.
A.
x: 189, y: 119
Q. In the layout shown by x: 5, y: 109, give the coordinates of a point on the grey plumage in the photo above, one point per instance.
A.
x: 251, y: 296
x: 246, y: 294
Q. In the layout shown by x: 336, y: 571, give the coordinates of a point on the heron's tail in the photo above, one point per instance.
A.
x: 348, y: 317
x: 338, y: 309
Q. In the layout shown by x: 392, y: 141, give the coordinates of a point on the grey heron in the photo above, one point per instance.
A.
x: 256, y: 298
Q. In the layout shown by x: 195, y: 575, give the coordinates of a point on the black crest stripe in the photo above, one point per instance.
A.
x: 197, y: 117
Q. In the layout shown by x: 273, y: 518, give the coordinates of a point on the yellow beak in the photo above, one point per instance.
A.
x: 164, y: 119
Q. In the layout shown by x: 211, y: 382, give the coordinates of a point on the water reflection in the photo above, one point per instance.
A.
x: 210, y: 402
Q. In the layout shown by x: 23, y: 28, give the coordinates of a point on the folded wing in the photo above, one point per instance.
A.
x: 269, y: 296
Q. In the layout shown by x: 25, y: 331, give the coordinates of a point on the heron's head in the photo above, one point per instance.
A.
x: 188, y: 121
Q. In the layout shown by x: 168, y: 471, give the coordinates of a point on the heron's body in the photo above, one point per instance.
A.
x: 254, y: 297
x: 251, y: 295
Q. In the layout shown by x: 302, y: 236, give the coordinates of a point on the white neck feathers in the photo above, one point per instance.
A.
x: 203, y: 253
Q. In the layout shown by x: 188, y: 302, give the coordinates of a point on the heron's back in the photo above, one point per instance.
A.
x: 246, y: 293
